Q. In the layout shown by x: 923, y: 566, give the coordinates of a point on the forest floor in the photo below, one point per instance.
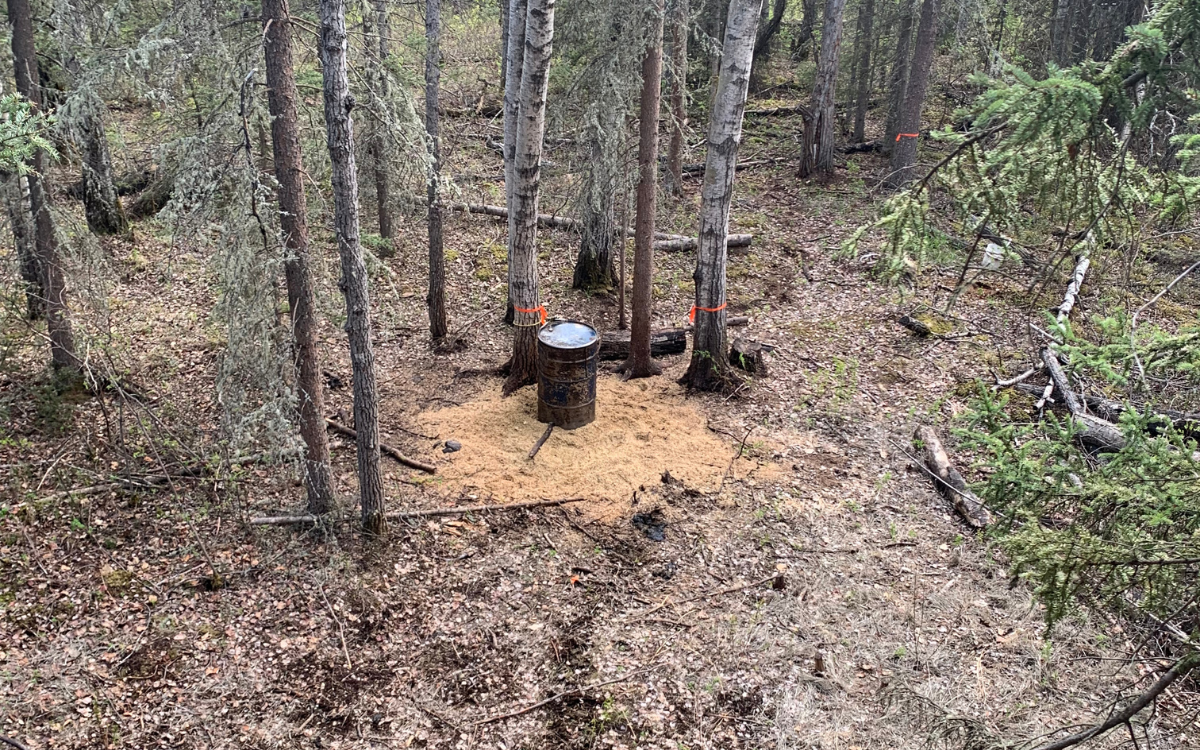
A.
x: 794, y: 582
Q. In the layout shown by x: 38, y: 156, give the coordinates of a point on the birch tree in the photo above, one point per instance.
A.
x: 529, y: 314
x: 514, y: 56
x: 282, y: 96
x: 339, y: 137
x: 435, y: 300
x: 817, y: 148
x: 709, y: 367
x: 25, y: 70
x: 639, y: 364
x: 904, y: 150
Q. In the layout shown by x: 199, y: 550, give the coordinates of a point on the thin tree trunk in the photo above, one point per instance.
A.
x: 679, y: 69
x: 527, y: 166
x: 16, y: 202
x: 436, y: 299
x: 515, y: 55
x: 100, y: 202
x: 904, y: 153
x: 709, y: 367
x: 377, y: 140
x: 864, y: 40
x: 817, y: 146
x: 639, y: 364
x: 804, y: 34
x: 899, y: 76
x: 762, y: 45
x: 58, y: 322
x: 339, y: 132
x: 293, y: 222
x: 503, y: 45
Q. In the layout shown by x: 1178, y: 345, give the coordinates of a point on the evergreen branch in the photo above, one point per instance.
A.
x: 969, y: 142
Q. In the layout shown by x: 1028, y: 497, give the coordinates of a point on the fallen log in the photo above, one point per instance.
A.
x: 664, y: 240
x: 615, y: 344
x: 288, y: 520
x: 1186, y: 423
x: 1095, y: 433
x: 682, y: 244
x: 862, y: 148
x: 384, y: 447
x: 698, y: 168
x: 663, y: 342
x: 948, y: 481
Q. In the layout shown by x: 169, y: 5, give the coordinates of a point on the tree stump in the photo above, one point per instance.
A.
x: 748, y: 355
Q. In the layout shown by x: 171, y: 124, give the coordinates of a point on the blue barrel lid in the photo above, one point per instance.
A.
x: 568, y: 334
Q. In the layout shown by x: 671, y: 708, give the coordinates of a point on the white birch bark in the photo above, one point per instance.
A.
x: 514, y: 57
x: 709, y: 369
x: 526, y: 179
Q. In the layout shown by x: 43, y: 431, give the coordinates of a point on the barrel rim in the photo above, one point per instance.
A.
x: 555, y: 323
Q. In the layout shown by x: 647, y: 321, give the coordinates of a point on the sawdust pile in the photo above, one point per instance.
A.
x: 642, y: 428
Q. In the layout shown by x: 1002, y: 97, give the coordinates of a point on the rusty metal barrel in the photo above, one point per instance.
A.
x: 567, y: 357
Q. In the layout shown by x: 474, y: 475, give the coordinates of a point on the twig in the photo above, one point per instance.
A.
x: 1137, y: 361
x: 736, y: 456
x: 541, y: 441
x: 1013, y: 381
x: 722, y: 592
x: 14, y: 743
x: 1177, y: 670
x: 556, y: 698
x: 286, y: 520
x: 391, y: 451
x: 341, y: 631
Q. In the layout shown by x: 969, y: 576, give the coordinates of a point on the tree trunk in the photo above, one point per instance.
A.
x: 817, y: 147
x: 436, y: 299
x: 527, y: 166
x: 597, y: 230
x: 1060, y: 31
x: 293, y: 222
x: 804, y: 35
x: 639, y: 364
x: 904, y: 152
x: 679, y: 69
x: 100, y: 202
x: 16, y: 202
x: 762, y: 45
x: 709, y: 368
x: 58, y: 322
x: 864, y: 40
x: 899, y: 76
x: 339, y: 136
x: 504, y: 45
x: 377, y: 140
x: 515, y: 55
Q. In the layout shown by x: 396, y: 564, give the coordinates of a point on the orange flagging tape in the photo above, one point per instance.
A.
x: 692, y: 314
x: 539, y: 309
x: 906, y: 135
